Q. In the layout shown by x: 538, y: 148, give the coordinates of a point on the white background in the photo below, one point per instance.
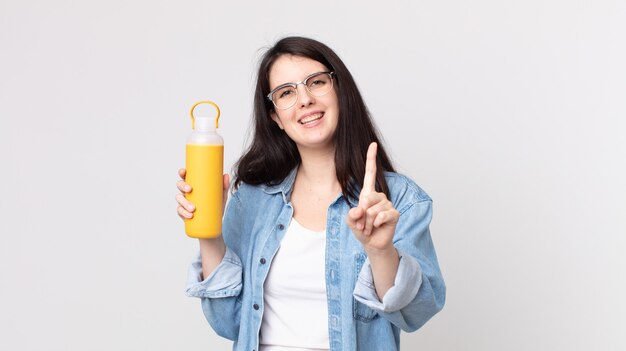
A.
x: 511, y: 114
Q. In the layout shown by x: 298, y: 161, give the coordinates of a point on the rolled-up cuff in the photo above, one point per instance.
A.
x: 224, y: 281
x: 406, y: 284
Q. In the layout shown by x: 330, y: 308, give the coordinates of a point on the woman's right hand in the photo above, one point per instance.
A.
x: 211, y: 250
x: 185, y: 207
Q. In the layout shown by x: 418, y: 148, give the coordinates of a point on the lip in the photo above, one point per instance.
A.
x: 313, y: 113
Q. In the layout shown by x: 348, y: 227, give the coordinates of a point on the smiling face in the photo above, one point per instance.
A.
x: 312, y: 121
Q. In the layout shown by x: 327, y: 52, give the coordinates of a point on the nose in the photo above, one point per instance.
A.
x: 305, y: 98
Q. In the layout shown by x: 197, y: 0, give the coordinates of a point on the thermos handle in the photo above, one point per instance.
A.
x: 193, y: 119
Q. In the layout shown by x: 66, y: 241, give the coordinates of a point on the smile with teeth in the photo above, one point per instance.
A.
x: 311, y: 118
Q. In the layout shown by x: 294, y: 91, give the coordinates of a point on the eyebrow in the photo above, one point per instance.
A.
x: 294, y: 83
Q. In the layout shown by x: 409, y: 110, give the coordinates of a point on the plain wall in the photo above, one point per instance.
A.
x: 510, y: 114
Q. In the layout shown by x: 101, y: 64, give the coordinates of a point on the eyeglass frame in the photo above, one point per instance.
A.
x: 295, y: 86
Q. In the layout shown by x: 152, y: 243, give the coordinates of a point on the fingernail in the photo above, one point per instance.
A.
x: 187, y: 188
x: 190, y: 208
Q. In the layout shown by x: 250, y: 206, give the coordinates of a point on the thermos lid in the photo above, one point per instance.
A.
x: 204, y: 122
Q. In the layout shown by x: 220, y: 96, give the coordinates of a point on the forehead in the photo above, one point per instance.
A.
x: 291, y: 69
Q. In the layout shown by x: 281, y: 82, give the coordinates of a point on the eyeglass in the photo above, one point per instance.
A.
x: 318, y: 84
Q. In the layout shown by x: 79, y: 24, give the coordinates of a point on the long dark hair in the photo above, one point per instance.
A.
x: 272, y: 154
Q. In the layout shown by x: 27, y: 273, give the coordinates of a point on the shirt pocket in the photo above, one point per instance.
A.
x: 360, y: 311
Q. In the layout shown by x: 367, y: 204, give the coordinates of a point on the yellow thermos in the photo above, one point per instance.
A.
x: 205, y: 165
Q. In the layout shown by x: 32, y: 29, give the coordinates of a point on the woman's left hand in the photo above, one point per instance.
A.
x: 374, y: 220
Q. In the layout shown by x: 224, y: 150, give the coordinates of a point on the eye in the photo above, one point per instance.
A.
x: 317, y: 81
x: 285, y: 93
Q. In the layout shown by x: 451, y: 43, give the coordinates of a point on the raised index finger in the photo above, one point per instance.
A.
x: 369, y: 182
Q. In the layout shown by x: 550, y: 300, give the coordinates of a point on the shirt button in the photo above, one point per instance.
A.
x: 263, y: 261
x: 255, y: 306
x: 281, y: 227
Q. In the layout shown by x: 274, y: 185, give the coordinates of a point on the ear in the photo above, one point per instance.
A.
x: 276, y: 119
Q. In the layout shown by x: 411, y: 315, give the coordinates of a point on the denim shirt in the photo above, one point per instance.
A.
x: 254, y: 223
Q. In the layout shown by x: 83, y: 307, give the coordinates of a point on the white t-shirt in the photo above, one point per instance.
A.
x: 295, y: 316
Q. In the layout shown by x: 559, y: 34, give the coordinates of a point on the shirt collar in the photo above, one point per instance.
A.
x: 284, y: 187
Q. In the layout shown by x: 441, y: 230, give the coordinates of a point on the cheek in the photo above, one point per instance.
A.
x: 334, y: 103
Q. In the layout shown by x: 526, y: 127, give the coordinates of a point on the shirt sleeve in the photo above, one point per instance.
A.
x: 406, y: 284
x: 224, y: 281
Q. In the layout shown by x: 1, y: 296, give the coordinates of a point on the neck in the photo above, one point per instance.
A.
x: 318, y: 168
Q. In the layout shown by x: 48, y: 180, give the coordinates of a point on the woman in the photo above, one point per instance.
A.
x: 323, y: 246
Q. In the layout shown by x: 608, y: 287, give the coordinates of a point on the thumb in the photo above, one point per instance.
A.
x: 226, y: 181
x: 353, y: 216
x: 226, y: 184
